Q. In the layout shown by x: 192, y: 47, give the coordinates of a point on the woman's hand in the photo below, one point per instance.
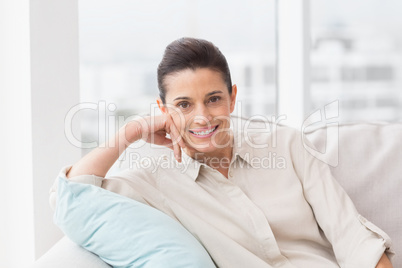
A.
x: 384, y: 262
x: 154, y: 130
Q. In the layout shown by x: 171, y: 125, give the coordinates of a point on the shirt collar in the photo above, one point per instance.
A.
x: 242, y: 148
x: 191, y: 166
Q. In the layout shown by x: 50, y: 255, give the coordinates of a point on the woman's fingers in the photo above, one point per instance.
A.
x: 167, y: 143
x: 176, y: 136
x: 177, y: 140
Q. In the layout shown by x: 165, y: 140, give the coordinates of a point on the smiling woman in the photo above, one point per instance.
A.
x: 244, y: 214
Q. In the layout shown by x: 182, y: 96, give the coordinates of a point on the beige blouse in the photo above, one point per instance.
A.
x: 280, y: 206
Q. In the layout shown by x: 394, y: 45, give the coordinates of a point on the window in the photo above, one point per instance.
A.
x: 356, y: 58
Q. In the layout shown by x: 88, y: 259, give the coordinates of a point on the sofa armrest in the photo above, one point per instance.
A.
x: 67, y: 254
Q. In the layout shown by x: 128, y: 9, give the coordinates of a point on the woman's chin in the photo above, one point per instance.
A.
x: 201, y: 146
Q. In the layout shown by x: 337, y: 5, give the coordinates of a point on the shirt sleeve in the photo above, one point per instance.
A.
x: 356, y: 241
x: 138, y: 184
x: 88, y: 179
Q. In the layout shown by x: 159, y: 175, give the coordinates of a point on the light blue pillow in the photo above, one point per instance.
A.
x: 124, y: 232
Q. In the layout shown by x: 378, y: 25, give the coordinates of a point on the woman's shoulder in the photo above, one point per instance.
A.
x: 270, y: 134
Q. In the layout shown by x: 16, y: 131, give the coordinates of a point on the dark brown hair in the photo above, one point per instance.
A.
x: 191, y: 53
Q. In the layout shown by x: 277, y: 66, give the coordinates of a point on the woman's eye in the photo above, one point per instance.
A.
x: 183, y: 105
x: 214, y: 99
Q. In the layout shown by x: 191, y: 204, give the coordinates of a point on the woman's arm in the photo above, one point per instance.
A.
x: 100, y: 160
x: 384, y: 262
x: 355, y: 241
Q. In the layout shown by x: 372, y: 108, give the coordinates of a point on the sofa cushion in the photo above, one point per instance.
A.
x: 124, y: 232
x: 67, y: 254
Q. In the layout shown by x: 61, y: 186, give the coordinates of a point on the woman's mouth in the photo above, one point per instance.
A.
x: 203, y: 133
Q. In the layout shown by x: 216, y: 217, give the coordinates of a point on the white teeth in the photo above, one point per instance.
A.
x: 204, y: 132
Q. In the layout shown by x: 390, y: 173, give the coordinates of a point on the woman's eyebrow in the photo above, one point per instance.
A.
x: 207, y: 95
x: 182, y: 98
x: 213, y: 92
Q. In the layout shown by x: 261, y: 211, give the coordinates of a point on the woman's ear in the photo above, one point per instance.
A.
x: 233, y: 98
x: 161, y: 106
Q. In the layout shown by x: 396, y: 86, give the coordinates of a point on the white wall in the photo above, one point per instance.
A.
x: 16, y: 209
x: 55, y: 89
x: 39, y: 83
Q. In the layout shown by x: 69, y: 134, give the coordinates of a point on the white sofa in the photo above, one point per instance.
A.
x: 369, y: 167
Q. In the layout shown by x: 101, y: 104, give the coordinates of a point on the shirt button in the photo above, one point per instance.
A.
x: 164, y: 157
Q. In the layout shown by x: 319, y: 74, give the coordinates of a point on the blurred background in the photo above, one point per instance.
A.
x: 122, y: 43
x: 355, y: 53
x: 71, y: 69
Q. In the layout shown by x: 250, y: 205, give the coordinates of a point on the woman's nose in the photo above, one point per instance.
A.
x: 202, y: 115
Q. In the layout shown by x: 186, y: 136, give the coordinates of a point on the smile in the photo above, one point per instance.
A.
x: 204, y: 133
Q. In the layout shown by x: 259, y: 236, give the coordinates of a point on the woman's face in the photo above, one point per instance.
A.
x: 200, y: 105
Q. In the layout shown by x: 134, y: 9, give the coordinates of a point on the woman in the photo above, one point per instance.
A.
x: 245, y: 214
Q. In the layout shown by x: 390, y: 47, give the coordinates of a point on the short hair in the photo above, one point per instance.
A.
x: 191, y: 53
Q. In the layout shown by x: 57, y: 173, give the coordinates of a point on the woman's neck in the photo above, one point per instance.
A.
x: 219, y: 159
